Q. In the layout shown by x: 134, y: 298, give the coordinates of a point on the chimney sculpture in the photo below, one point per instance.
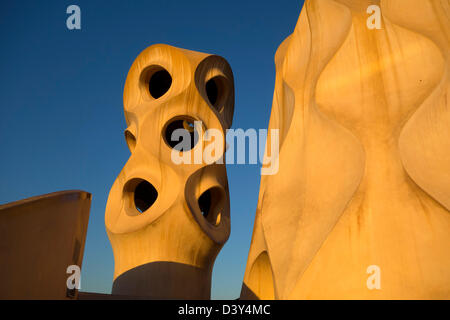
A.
x: 359, y: 208
x: 168, y: 212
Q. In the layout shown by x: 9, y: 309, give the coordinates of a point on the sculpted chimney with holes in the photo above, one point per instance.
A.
x: 167, y: 222
x: 364, y: 162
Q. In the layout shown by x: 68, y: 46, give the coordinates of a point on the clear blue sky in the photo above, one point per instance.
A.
x: 62, y: 123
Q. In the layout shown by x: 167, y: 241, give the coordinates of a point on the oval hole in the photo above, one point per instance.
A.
x: 188, y: 126
x: 212, y: 91
x: 145, y: 196
x: 210, y: 204
x: 159, y: 83
x: 216, y: 90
